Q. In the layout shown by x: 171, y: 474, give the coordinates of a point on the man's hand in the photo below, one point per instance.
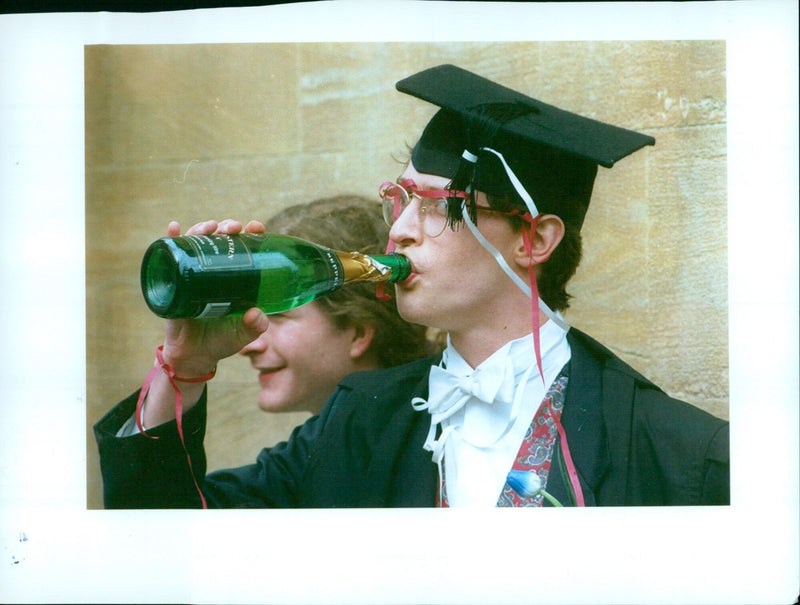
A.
x: 194, y: 346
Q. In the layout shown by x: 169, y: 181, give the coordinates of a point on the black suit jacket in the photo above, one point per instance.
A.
x: 631, y: 443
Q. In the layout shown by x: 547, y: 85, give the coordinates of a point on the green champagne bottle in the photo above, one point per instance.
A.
x: 208, y: 276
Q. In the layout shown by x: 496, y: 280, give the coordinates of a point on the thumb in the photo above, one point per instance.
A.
x: 254, y: 323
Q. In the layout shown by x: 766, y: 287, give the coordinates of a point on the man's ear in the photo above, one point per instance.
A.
x: 362, y: 339
x: 549, y: 233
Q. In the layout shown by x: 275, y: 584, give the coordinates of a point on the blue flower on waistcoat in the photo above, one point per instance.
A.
x: 528, y: 484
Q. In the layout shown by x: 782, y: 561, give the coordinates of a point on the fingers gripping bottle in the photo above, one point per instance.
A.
x: 209, y: 276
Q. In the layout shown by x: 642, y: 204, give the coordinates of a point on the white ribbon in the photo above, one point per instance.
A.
x: 526, y: 197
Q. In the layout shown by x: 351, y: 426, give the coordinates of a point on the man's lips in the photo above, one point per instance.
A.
x: 408, y: 280
x: 411, y: 276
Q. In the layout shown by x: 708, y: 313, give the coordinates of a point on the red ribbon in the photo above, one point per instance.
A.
x: 571, y: 470
x: 173, y: 378
x: 527, y: 238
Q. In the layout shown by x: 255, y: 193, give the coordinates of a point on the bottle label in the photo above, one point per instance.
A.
x: 214, y: 310
x: 220, y: 251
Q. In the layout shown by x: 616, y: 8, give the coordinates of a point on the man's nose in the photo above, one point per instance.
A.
x: 408, y: 226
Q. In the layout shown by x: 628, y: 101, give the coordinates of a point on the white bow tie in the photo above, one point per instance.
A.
x: 448, y: 393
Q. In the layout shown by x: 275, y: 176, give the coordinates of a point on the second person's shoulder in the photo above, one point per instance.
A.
x: 384, y: 379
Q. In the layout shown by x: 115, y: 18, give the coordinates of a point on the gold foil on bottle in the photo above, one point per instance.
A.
x: 360, y: 267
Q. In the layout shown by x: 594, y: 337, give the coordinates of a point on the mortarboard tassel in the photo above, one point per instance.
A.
x: 482, y: 124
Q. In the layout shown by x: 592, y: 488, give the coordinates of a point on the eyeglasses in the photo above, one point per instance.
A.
x: 395, y: 197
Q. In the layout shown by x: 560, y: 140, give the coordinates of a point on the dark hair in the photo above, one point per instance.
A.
x: 562, y: 264
x: 351, y: 223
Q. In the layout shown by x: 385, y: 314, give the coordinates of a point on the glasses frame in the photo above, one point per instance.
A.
x: 394, y: 205
x: 396, y: 197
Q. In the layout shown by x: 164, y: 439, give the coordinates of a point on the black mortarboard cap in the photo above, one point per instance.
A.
x: 553, y: 152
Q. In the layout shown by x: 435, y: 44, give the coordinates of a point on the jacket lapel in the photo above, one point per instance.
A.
x: 583, y: 418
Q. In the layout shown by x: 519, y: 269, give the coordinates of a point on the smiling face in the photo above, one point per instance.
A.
x: 457, y: 285
x: 301, y: 358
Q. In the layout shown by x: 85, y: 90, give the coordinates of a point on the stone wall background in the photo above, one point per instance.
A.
x: 189, y: 132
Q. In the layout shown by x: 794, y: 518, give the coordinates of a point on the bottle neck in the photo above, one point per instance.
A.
x: 377, y: 268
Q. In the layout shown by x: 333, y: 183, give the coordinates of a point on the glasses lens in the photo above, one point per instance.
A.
x: 434, y: 215
x: 394, y: 200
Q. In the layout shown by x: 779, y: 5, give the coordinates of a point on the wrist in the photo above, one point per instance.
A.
x: 164, y: 378
x: 186, y: 370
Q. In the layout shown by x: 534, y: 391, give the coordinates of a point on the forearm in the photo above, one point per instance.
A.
x: 142, y: 472
x: 151, y: 471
